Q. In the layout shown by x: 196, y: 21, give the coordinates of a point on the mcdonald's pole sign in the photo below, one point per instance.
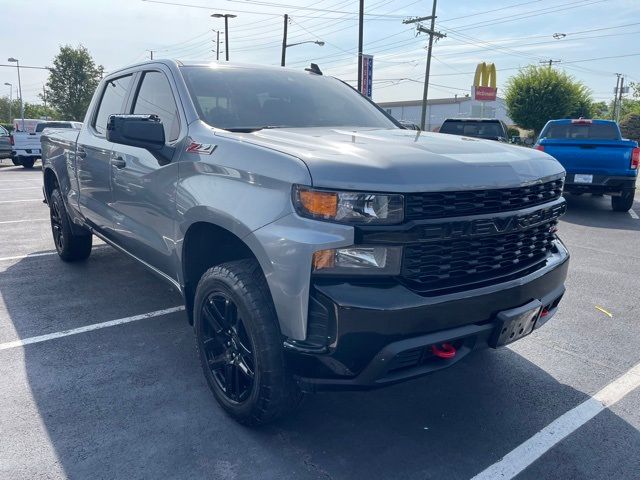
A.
x: 367, y: 75
x: 484, y: 83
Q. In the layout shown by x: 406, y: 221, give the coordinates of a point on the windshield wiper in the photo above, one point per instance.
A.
x: 254, y: 129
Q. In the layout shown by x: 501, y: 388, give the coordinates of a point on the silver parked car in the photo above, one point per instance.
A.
x: 317, y: 244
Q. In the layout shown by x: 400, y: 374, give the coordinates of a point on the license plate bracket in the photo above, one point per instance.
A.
x: 582, y: 178
x: 514, y: 324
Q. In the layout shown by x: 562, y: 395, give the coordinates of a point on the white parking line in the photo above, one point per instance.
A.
x: 18, y: 201
x: 87, y: 328
x: 525, y: 454
x: 44, y: 254
x: 633, y: 214
x: 24, y: 221
x: 19, y: 257
x: 19, y: 188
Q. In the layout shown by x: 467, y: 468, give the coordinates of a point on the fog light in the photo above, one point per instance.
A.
x: 358, y: 261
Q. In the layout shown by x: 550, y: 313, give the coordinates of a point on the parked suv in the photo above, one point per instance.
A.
x: 317, y: 244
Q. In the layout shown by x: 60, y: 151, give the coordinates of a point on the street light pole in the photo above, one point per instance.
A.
x: 15, y: 60
x: 10, y: 98
x: 320, y: 43
x: 226, y: 17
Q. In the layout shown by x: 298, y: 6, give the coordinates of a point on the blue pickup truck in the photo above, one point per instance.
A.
x: 596, y: 157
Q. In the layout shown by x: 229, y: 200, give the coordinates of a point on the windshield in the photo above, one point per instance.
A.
x: 579, y: 131
x: 42, y: 126
x: 245, y: 98
x: 470, y: 128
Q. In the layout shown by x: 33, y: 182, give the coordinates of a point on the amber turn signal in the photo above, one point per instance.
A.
x: 317, y: 203
x: 323, y: 259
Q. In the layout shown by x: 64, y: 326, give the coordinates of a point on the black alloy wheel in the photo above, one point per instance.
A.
x: 227, y: 347
x: 56, y: 226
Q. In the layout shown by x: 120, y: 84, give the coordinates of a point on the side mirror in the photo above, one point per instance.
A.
x: 142, y: 131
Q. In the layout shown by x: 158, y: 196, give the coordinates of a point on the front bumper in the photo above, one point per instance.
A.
x: 601, y: 184
x: 376, y: 335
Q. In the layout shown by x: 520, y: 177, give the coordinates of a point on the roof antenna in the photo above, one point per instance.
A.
x: 314, y: 69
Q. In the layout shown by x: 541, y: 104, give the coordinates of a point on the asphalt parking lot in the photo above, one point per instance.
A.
x: 130, y: 401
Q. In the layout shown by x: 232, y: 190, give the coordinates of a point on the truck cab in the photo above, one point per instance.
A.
x: 596, y: 157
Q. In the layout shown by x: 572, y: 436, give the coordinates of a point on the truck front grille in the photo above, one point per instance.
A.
x: 443, y: 266
x: 424, y: 206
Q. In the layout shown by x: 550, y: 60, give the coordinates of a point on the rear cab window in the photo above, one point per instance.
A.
x: 473, y: 128
x: 581, y: 131
x: 42, y: 126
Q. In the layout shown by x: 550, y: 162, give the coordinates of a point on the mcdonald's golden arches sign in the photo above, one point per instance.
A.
x: 484, y: 83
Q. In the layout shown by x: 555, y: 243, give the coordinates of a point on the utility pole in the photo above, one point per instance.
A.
x: 217, y: 44
x: 432, y: 34
x: 620, y: 98
x: 615, y: 97
x: 44, y: 99
x: 360, y: 38
x: 150, y: 54
x: 550, y: 62
x: 284, y: 40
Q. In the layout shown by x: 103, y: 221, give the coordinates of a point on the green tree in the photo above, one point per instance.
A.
x: 36, y: 110
x: 601, y: 110
x: 72, y: 81
x: 4, y: 109
x: 630, y: 126
x: 539, y: 94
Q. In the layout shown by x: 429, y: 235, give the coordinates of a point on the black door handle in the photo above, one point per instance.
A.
x: 118, y: 162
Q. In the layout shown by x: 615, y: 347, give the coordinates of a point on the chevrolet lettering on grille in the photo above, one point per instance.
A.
x: 491, y: 226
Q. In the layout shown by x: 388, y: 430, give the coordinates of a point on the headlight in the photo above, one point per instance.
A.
x: 358, y: 261
x: 348, y: 207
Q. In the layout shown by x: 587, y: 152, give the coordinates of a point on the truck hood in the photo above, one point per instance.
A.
x: 395, y: 160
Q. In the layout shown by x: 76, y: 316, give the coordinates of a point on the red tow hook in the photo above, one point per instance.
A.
x: 445, y: 350
x: 544, y: 313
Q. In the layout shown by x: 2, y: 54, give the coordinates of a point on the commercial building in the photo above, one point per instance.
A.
x: 439, y: 109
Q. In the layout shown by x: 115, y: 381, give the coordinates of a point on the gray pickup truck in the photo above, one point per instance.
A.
x: 317, y: 244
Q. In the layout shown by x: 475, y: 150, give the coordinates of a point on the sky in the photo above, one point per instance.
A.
x: 510, y: 33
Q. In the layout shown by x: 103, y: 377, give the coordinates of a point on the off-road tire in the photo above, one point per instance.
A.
x: 624, y: 202
x: 28, y: 162
x: 70, y: 247
x: 273, y: 391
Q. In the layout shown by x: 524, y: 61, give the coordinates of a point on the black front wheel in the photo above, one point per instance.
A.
x: 70, y: 246
x: 240, y: 345
x: 624, y: 202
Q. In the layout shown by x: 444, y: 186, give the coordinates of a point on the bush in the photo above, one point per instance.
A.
x: 8, y: 126
x: 513, y: 132
x: 630, y: 126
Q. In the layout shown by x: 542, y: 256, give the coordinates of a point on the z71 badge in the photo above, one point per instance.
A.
x: 202, y: 148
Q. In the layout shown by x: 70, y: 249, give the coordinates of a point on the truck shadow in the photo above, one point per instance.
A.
x: 131, y: 402
x: 589, y: 211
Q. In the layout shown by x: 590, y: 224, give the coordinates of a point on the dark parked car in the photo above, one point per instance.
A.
x: 487, y: 128
x: 5, y: 143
